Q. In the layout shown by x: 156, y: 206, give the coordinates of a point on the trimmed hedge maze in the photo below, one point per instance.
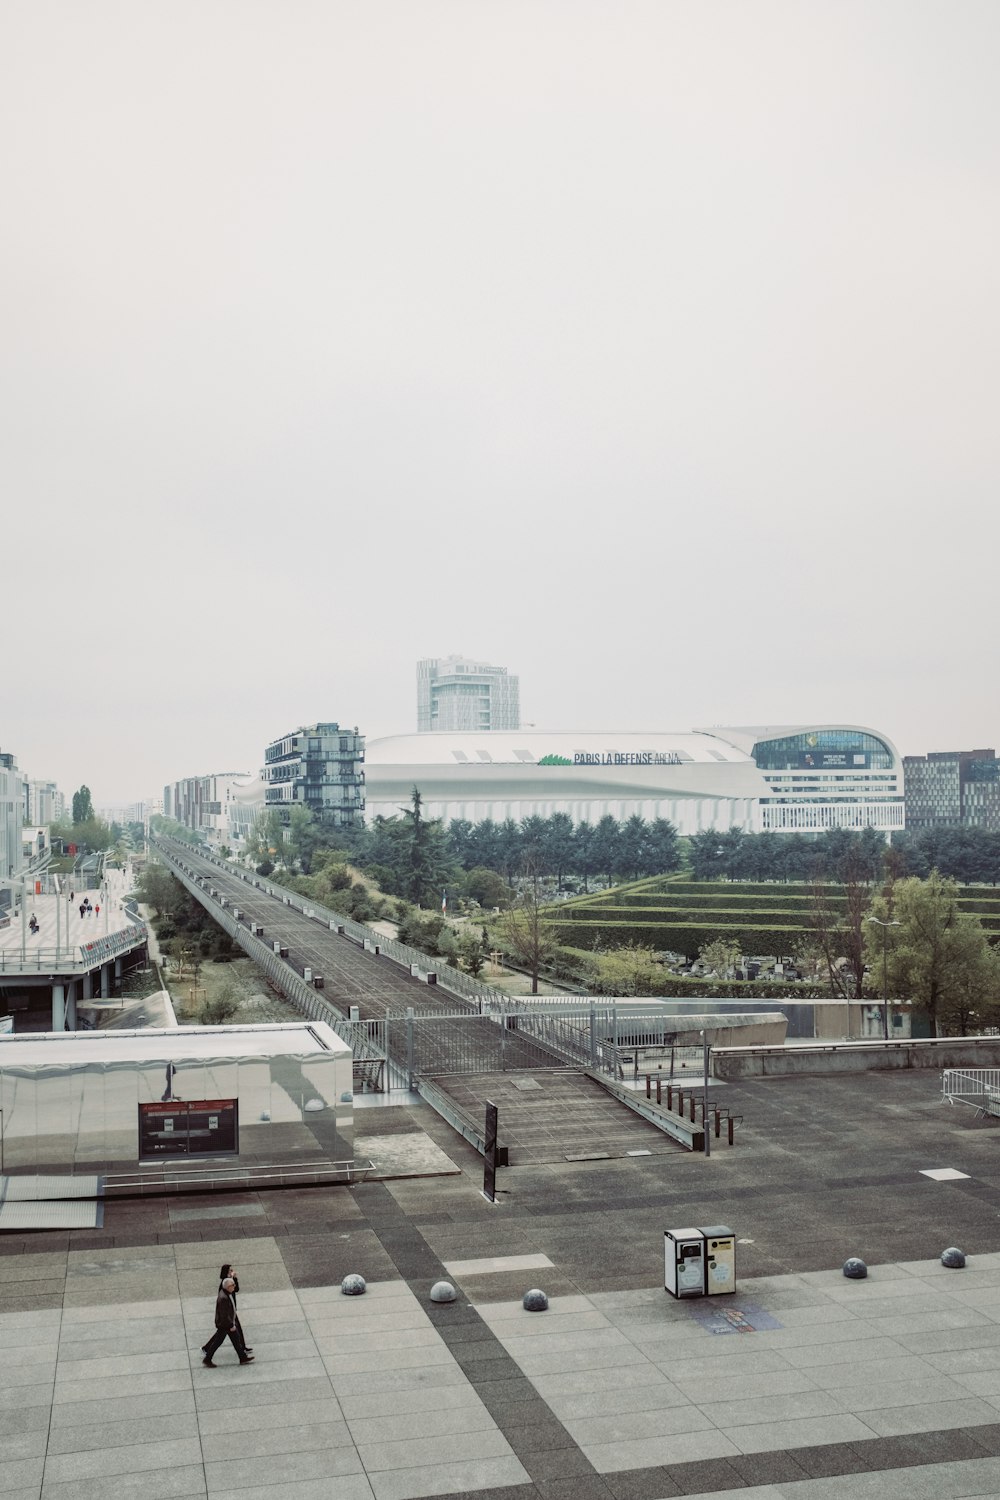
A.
x: 682, y: 915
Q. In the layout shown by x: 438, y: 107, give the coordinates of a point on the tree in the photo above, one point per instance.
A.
x: 631, y: 856
x: 721, y: 954
x: 605, y: 846
x: 936, y: 957
x: 486, y: 887
x: 83, y: 807
x: 663, y: 854
x: 526, y: 933
x: 472, y: 953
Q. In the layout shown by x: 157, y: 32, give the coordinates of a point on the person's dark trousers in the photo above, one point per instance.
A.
x: 219, y: 1338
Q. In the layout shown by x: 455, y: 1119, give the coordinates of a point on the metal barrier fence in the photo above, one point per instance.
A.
x: 969, y: 1085
x: 78, y: 958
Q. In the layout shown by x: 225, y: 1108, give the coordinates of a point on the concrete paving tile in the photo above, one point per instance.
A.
x: 869, y: 1393
x: 161, y: 1337
x: 281, y: 1468
x: 67, y: 1392
x: 668, y: 1448
x: 975, y: 1335
x: 423, y: 1398
x: 775, y: 1408
x: 240, y: 1252
x: 967, y: 1361
x: 799, y: 1432
x: 451, y: 1447
x: 889, y: 1421
x: 643, y: 1376
x: 135, y: 1311
x: 138, y: 1365
x: 609, y: 1403
x: 267, y: 1418
x: 266, y: 1442
x: 16, y: 1371
x: 42, y: 1339
x: 167, y: 1484
x: 564, y: 1341
x: 230, y: 1387
x: 348, y: 1340
x: 32, y: 1267
x: 262, y: 1370
x: 735, y: 1385
x: 623, y: 1356
x: 31, y: 1443
x: 327, y: 1319
x: 255, y: 1281
x: 376, y: 1292
x: 365, y: 1361
x: 457, y: 1478
x: 637, y: 1425
x: 349, y: 1487
x: 23, y: 1419
x: 409, y: 1426
x: 164, y: 1323
x: 20, y: 1397
x: 136, y: 1458
x: 30, y: 1318
x: 122, y: 1434
x: 745, y: 1359
x: 21, y: 1473
x: 390, y: 1379
x: 123, y: 1408
x: 846, y: 1352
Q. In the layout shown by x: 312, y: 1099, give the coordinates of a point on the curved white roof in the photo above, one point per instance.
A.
x: 526, y: 747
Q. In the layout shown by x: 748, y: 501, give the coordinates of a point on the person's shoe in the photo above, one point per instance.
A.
x: 249, y: 1348
x: 204, y: 1350
x: 247, y: 1360
x: 211, y: 1365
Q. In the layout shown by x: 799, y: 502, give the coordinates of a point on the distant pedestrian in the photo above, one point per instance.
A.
x: 97, y: 910
x: 72, y: 896
x: 82, y: 908
x: 226, y: 1327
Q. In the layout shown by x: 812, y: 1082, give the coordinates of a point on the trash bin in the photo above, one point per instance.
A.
x: 684, y: 1262
x: 720, y: 1260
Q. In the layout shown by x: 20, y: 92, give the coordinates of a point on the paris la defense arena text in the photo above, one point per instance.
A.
x: 800, y: 778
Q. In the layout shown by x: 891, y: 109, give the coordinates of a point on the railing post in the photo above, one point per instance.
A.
x: 409, y: 1048
x: 659, y: 1089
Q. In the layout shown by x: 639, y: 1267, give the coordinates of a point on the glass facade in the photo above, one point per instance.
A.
x: 824, y: 749
x: 84, y: 1115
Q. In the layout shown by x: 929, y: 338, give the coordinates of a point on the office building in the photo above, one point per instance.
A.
x: 220, y: 806
x: 44, y: 803
x: 11, y: 823
x: 953, y: 789
x: 457, y: 696
x: 792, y: 779
x: 321, y: 767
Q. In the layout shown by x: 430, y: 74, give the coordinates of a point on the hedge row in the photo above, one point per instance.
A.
x: 685, y: 938
x: 731, y: 899
x: 681, y: 915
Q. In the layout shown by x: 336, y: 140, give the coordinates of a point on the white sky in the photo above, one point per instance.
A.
x: 649, y: 349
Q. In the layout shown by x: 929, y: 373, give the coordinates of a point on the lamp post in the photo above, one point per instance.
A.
x: 885, y: 968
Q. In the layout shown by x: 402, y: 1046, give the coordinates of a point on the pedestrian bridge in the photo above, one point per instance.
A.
x: 79, y: 957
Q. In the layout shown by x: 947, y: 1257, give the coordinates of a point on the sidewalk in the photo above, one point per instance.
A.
x: 830, y: 1390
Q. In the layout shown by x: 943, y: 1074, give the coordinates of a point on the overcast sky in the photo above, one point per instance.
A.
x: 649, y: 349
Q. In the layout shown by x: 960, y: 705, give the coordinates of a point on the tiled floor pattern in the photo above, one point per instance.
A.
x: 875, y: 1388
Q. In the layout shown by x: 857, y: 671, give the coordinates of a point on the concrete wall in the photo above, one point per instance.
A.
x: 856, y: 1057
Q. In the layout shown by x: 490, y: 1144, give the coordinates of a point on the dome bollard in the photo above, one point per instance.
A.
x: 443, y: 1291
x: 953, y: 1258
x: 855, y: 1269
x: 353, y: 1285
x: 535, y: 1300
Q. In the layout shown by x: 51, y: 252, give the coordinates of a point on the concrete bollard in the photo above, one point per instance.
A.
x: 353, y: 1285
x: 855, y: 1269
x: 953, y: 1258
x: 535, y: 1300
x: 443, y: 1291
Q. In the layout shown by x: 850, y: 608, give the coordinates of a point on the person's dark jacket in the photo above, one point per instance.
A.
x: 225, y: 1312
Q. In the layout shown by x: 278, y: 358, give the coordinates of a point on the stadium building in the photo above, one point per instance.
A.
x: 790, y: 779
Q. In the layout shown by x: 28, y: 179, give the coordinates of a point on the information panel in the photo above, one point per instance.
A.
x: 196, y: 1127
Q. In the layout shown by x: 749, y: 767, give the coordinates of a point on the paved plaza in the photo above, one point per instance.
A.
x: 804, y: 1385
x: 61, y: 929
x: 801, y: 1386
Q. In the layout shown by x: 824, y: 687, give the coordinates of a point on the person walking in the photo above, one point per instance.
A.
x: 82, y: 909
x: 97, y: 910
x: 230, y: 1271
x: 226, y: 1327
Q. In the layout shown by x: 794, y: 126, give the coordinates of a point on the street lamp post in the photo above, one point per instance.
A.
x: 885, y: 969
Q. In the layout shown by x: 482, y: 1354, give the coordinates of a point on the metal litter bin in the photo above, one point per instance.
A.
x: 684, y: 1262
x: 720, y: 1260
